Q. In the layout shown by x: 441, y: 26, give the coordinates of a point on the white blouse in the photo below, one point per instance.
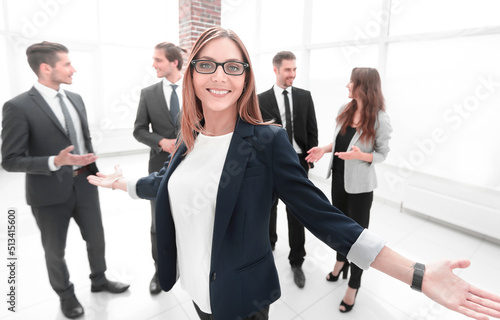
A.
x: 192, y: 191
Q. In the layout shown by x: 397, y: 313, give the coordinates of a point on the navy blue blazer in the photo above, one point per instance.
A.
x: 260, y: 163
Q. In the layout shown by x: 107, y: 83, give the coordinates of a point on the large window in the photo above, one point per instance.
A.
x: 439, y: 66
x: 111, y: 46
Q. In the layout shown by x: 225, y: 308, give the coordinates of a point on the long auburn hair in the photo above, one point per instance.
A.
x: 367, y: 88
x: 192, y: 113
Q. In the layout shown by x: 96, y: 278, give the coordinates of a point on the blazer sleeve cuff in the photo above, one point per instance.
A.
x: 366, y: 248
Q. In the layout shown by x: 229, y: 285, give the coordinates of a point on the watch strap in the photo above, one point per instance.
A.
x: 418, y: 276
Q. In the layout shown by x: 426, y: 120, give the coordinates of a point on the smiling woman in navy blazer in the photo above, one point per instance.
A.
x: 214, y: 197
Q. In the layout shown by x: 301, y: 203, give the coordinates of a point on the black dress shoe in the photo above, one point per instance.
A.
x: 71, y: 308
x: 298, y: 276
x: 110, y: 286
x: 154, y: 285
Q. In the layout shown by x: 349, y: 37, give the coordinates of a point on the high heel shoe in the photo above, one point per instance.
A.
x: 345, y: 268
x: 348, y: 307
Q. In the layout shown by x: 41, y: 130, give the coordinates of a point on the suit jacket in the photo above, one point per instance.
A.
x: 360, y: 176
x: 31, y: 134
x: 305, y: 128
x: 260, y: 163
x: 153, y: 110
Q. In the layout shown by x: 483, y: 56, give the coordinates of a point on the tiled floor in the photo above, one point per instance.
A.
x: 127, y: 222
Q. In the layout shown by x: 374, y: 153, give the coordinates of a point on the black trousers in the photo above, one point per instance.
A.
x: 296, y: 233
x: 261, y: 315
x: 356, y: 206
x: 53, y: 222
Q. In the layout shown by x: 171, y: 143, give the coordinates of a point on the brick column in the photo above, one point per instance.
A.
x: 194, y: 17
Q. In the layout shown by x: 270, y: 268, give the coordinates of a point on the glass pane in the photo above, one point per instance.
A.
x: 2, y: 20
x: 240, y: 16
x: 123, y: 85
x: 329, y: 75
x: 5, y: 93
x: 409, y: 16
x: 140, y: 23
x: 356, y: 20
x: 264, y: 74
x: 443, y: 102
x: 48, y: 19
x: 19, y: 74
x: 281, y: 23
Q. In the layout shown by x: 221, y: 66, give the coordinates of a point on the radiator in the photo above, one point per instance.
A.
x: 459, y: 212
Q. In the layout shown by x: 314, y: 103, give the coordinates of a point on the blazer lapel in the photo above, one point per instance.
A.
x: 40, y: 101
x: 230, y: 182
x: 296, y: 104
x: 355, y: 139
x: 178, y: 157
x: 274, y: 106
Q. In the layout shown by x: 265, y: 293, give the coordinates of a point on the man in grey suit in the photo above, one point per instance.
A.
x: 158, y: 122
x: 293, y: 108
x: 45, y: 134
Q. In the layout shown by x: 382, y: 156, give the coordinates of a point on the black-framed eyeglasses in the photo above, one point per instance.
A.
x: 232, y: 68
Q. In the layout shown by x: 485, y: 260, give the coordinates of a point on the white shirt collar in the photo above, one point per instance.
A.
x: 279, y: 90
x: 166, y: 82
x: 48, y: 92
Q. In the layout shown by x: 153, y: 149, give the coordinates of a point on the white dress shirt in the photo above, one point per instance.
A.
x: 167, y: 91
x: 50, y: 96
x: 280, y: 98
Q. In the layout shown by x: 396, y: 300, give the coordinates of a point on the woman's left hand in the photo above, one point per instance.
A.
x: 443, y: 286
x: 355, y: 153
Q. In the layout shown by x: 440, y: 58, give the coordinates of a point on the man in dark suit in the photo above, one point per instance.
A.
x: 158, y: 122
x: 45, y: 134
x: 294, y: 109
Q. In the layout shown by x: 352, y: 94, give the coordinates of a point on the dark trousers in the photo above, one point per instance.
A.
x: 154, y: 249
x: 296, y: 234
x: 155, y: 164
x: 53, y: 222
x: 356, y: 206
x: 261, y: 315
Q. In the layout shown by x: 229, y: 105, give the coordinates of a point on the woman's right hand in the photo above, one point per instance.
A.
x: 315, y: 154
x: 106, y: 180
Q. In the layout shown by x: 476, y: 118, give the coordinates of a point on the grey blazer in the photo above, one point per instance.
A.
x: 359, y: 176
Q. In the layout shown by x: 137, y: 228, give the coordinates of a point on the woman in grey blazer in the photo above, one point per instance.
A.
x: 362, y: 138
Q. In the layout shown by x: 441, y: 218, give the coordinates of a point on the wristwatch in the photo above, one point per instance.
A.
x: 418, y: 276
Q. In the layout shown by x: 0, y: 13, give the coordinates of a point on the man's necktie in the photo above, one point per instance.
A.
x: 70, y: 127
x: 174, y: 104
x: 288, y: 117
